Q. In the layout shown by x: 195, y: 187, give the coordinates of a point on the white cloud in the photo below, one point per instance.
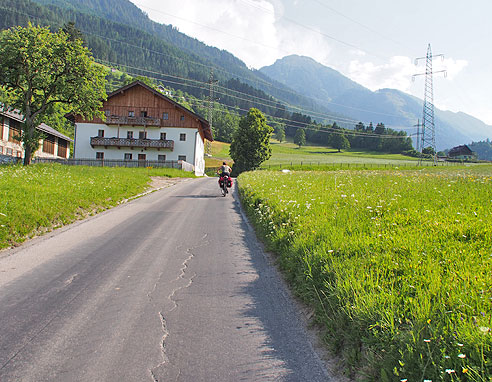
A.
x: 398, y: 72
x: 253, y: 30
x: 245, y: 28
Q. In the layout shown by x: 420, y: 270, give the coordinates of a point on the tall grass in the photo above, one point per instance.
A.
x: 398, y: 264
x: 40, y: 197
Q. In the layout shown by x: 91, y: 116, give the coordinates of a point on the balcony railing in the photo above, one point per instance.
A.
x: 133, y: 121
x: 137, y: 143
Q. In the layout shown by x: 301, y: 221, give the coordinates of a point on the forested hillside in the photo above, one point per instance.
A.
x: 139, y: 53
x: 482, y: 149
x: 203, y: 57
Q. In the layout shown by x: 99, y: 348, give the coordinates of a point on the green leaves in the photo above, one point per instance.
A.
x: 40, y: 69
x: 250, y: 146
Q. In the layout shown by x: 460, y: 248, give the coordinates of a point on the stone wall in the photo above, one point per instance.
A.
x: 7, y: 159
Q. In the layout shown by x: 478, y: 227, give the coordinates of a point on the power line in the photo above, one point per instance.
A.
x: 203, y: 84
x: 286, y: 90
x: 294, y: 123
x: 358, y: 23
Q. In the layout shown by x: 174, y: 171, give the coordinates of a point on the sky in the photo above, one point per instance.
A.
x: 374, y: 43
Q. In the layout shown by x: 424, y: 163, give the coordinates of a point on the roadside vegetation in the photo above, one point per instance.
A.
x: 39, y: 198
x: 398, y: 264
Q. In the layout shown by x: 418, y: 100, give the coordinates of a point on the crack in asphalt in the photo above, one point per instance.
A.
x: 171, y: 298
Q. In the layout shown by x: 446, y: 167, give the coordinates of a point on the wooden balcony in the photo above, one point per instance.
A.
x: 133, y: 121
x: 133, y: 143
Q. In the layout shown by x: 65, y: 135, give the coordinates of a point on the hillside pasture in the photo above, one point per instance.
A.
x: 398, y: 264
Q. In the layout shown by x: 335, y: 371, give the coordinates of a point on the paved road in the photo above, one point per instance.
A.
x: 169, y: 287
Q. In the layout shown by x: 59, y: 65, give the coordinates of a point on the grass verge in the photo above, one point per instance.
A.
x: 38, y: 198
x: 397, y: 263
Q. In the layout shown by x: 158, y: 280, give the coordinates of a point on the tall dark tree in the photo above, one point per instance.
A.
x: 300, y: 137
x: 339, y: 142
x: 250, y: 146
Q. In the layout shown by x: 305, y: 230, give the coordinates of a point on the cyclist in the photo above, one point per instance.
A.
x: 224, y: 170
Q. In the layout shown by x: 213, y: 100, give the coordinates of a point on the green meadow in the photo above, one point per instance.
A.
x: 397, y: 263
x: 39, y: 198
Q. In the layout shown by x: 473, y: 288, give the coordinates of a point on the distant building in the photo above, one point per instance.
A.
x: 142, y: 124
x: 462, y: 152
x: 54, y: 145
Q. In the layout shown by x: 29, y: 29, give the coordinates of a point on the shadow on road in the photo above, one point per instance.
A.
x: 198, y: 196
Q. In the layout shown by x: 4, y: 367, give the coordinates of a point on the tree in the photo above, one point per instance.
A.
x: 250, y: 146
x: 300, y: 137
x: 40, y: 69
x: 339, y: 141
x: 280, y: 134
x: 428, y: 150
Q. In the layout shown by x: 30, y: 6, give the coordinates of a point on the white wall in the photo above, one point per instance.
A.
x: 199, y: 156
x: 84, y: 150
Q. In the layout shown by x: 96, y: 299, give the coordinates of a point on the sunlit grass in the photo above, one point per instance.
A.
x: 287, y: 154
x: 398, y: 263
x: 39, y: 197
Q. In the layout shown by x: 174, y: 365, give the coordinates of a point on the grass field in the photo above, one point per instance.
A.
x: 38, y: 198
x: 287, y: 154
x: 397, y: 263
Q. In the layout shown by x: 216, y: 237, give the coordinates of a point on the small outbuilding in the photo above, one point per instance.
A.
x: 53, y: 145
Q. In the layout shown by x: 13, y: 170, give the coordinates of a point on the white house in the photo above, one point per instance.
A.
x: 54, y: 145
x: 143, y: 124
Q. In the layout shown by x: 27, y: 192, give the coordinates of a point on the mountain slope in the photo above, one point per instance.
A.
x: 226, y: 65
x: 392, y: 107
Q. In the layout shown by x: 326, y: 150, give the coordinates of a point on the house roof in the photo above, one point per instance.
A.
x: 460, y: 150
x: 204, y: 123
x: 17, y: 116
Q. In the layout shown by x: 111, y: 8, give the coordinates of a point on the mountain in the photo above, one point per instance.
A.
x: 227, y: 66
x: 394, y: 108
x: 119, y: 34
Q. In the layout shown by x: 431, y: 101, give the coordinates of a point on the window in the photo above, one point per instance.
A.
x: 99, y: 155
x: 182, y: 157
x: 62, y: 148
x: 49, y: 144
x: 107, y: 113
x: 142, y: 135
x: 131, y: 114
x: 182, y: 118
x: 141, y: 156
x: 143, y: 113
x: 182, y: 137
x: 128, y: 156
x: 161, y: 158
x: 129, y: 134
x: 100, y: 133
x: 8, y: 151
x: 163, y: 136
x: 165, y: 115
x: 14, y: 131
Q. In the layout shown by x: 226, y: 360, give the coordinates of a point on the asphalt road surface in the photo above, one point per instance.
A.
x: 172, y: 286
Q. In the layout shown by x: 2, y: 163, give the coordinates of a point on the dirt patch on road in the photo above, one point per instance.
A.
x: 159, y: 182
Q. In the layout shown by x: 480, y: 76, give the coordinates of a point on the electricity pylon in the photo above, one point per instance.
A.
x: 428, y: 135
x: 211, y: 83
